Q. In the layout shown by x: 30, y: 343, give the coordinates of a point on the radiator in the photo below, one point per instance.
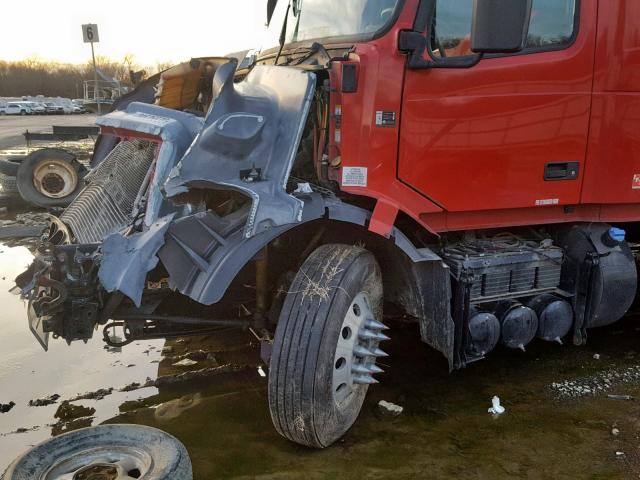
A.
x: 496, y: 269
x: 107, y: 203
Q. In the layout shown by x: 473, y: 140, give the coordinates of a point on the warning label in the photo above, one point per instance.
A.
x: 636, y: 182
x: 385, y: 119
x: 354, y: 177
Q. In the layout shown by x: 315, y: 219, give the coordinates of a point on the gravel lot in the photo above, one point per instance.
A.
x: 13, y: 126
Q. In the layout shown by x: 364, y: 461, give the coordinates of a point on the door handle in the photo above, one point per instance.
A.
x: 555, y: 171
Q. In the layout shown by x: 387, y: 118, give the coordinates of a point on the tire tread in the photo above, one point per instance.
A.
x: 302, y: 326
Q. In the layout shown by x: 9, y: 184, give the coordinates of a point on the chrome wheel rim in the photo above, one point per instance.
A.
x: 354, y: 363
x: 103, y: 463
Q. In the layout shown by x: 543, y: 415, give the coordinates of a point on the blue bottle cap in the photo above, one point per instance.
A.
x: 617, y: 234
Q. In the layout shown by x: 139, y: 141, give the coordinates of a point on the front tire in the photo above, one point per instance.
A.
x: 325, y: 346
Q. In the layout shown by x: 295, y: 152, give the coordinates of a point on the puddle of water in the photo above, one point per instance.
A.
x: 29, y: 373
x: 445, y: 431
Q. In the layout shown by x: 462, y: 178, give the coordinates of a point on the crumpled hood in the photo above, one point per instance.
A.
x: 249, y: 142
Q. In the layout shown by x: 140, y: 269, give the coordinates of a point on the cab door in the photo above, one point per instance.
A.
x: 510, y: 132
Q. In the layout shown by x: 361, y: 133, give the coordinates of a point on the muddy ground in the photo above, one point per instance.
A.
x: 560, y: 421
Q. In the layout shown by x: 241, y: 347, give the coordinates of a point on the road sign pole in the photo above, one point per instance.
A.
x: 90, y: 35
x: 96, y: 95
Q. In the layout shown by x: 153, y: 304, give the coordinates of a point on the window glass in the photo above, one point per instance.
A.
x: 552, y: 25
x: 452, y: 28
x: 319, y: 19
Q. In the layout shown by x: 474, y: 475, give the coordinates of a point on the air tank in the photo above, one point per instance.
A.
x: 518, y: 324
x: 555, y: 317
x: 484, y: 332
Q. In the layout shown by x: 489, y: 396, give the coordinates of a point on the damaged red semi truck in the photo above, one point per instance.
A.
x: 474, y: 162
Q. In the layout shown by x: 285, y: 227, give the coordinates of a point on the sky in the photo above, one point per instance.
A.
x: 153, y: 31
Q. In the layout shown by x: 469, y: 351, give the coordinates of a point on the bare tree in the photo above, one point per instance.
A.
x: 34, y: 76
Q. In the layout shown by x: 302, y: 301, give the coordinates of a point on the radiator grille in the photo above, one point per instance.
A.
x: 107, y: 203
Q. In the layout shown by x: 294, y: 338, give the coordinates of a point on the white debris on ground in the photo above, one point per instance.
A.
x: 185, y: 363
x: 615, y: 432
x: 496, y: 408
x: 600, y: 382
x: 620, y: 397
x: 389, y: 409
x: 596, y: 356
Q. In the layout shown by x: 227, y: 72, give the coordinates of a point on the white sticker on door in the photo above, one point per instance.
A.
x: 547, y: 201
x: 354, y: 177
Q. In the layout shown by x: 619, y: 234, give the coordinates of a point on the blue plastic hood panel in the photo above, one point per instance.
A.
x: 249, y: 142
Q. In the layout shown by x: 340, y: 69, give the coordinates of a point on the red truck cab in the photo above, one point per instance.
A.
x: 474, y: 162
x: 544, y: 135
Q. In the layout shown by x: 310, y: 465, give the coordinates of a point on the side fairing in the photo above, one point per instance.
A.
x: 249, y: 142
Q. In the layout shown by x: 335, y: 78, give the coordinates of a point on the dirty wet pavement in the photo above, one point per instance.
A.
x: 568, y: 413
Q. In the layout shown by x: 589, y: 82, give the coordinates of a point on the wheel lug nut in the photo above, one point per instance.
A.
x: 364, y: 379
x: 375, y: 325
x: 369, y: 335
x: 362, y: 351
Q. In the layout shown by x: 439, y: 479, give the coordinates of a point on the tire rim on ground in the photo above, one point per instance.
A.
x: 103, y: 463
x: 355, y: 360
x: 55, y: 178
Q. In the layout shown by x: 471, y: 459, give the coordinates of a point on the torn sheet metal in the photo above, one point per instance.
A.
x: 249, y: 142
x: 176, y: 130
x: 203, y: 252
x: 127, y: 260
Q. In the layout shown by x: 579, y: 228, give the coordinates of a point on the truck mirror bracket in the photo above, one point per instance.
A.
x: 415, y: 45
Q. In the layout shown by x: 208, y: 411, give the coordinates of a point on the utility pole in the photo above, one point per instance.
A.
x: 90, y: 35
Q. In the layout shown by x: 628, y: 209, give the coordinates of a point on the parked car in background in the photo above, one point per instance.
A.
x: 14, y: 108
x: 79, y: 108
x: 78, y: 102
x: 53, y: 109
x: 35, y: 107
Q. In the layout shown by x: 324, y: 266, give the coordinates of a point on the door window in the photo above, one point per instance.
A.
x: 552, y: 26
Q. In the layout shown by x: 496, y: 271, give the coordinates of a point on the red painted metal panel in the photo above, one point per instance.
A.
x: 479, y: 138
x: 360, y: 142
x: 614, y: 145
x: 618, y: 51
x: 614, y: 149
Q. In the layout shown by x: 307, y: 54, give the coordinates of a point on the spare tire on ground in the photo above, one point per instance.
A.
x: 107, y: 451
x: 9, y: 165
x: 50, y: 177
